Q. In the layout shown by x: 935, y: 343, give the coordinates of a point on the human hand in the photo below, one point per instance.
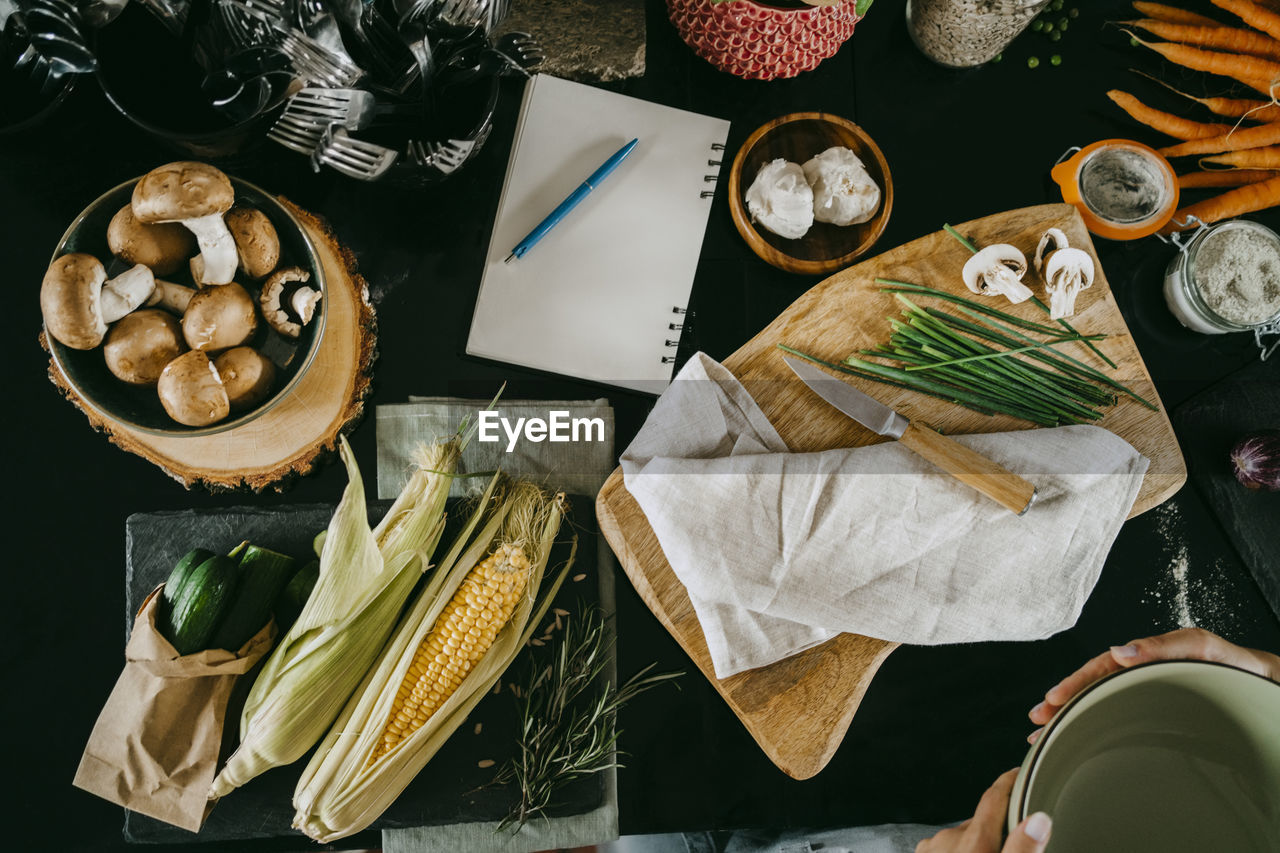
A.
x: 1184, y: 644
x: 983, y: 832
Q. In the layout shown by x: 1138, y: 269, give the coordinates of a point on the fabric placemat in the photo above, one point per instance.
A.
x: 576, y: 467
x: 781, y: 551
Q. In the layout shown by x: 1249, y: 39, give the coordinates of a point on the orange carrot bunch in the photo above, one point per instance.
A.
x: 1243, y: 155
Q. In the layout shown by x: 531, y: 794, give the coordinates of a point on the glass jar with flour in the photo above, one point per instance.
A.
x: 1226, y: 278
x: 964, y: 33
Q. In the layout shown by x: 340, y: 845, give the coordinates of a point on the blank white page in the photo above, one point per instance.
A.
x: 596, y: 296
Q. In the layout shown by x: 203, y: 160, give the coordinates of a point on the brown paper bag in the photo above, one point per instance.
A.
x: 155, y: 746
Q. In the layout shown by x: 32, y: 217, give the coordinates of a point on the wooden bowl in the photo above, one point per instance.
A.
x: 798, y: 137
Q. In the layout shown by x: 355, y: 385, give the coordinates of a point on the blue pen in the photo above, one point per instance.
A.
x: 571, y: 202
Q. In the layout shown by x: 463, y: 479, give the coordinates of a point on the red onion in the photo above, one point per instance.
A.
x: 1256, y: 460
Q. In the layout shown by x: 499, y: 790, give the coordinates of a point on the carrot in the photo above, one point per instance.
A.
x: 1224, y: 178
x: 1249, y: 158
x: 1245, y: 199
x: 1173, y: 15
x: 1231, y: 39
x: 1257, y: 16
x: 1235, y: 140
x: 1166, y: 123
x: 1250, y: 70
x: 1231, y: 107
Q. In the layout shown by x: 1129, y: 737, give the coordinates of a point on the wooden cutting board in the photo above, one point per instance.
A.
x: 799, y: 708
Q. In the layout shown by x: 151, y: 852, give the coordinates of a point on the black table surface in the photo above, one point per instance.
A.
x: 937, y: 724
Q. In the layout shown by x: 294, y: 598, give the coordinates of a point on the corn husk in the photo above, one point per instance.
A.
x: 341, y: 792
x: 365, y: 578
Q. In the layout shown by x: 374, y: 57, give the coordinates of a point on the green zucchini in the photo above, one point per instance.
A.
x: 201, y: 603
x: 182, y: 572
x: 294, y: 596
x: 263, y: 574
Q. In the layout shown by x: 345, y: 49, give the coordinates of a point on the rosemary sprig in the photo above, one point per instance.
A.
x: 568, y: 717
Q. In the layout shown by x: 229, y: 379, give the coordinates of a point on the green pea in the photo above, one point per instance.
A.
x: 1055, y: 36
x: 1055, y: 59
x: 1056, y: 5
x: 1062, y: 24
x: 1073, y: 13
x: 1134, y: 41
x: 1037, y: 26
x: 1033, y: 62
x: 999, y: 56
x: 1048, y: 27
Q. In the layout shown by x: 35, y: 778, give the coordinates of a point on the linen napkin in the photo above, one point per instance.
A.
x: 782, y: 551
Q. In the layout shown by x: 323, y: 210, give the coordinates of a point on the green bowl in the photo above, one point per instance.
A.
x: 1172, y: 756
x: 139, y: 408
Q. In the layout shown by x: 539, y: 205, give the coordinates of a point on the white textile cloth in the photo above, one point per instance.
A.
x: 781, y: 551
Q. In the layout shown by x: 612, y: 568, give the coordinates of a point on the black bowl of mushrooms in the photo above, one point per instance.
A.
x: 184, y: 303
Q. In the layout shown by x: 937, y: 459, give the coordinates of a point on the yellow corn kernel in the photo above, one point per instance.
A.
x: 456, y: 642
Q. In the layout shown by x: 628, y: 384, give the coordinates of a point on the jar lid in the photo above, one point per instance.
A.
x: 1123, y: 189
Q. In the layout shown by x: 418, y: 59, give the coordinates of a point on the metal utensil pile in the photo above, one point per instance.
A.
x: 42, y: 41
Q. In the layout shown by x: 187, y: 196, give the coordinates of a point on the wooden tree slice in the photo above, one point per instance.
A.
x: 287, y: 441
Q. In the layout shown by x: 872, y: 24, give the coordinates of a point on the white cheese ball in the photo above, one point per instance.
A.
x: 780, y: 199
x: 843, y: 192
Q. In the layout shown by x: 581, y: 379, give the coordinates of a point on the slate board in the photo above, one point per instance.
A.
x: 1207, y: 426
x: 449, y: 789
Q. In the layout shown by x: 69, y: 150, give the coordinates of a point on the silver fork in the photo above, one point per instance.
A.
x: 445, y: 157
x: 317, y: 64
x: 317, y: 22
x: 355, y: 158
x: 354, y: 109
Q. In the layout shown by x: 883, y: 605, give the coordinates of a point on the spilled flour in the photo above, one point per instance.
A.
x: 1194, y: 599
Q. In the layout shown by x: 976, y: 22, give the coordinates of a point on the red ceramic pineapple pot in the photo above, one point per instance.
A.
x: 759, y: 41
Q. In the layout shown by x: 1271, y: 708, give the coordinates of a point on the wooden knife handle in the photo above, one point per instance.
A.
x: 973, y: 469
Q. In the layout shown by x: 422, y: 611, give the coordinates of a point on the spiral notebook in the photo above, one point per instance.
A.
x: 603, y: 295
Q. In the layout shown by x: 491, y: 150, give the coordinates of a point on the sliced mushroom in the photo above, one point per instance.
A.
x: 1051, y: 241
x: 286, y: 301
x: 140, y: 346
x: 247, y: 375
x: 1066, y: 273
x: 173, y: 298
x: 163, y: 246
x: 997, y: 269
x: 197, y: 195
x: 219, y: 318
x: 71, y: 300
x: 192, y: 392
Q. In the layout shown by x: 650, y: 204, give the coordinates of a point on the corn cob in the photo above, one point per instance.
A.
x: 460, y: 637
x: 365, y: 578
x: 386, y: 734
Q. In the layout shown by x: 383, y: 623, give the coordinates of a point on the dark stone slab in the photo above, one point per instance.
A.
x: 452, y: 788
x: 1207, y: 426
x: 593, y: 41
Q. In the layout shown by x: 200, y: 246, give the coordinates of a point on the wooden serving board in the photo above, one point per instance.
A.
x: 287, y: 441
x: 799, y: 708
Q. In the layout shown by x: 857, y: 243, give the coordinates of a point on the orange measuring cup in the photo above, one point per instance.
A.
x: 1123, y: 189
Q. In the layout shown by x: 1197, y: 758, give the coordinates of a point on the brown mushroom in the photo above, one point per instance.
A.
x: 141, y: 344
x: 192, y: 392
x: 257, y: 243
x: 247, y: 375
x: 287, y: 303
x: 197, y: 195
x: 71, y: 300
x: 78, y: 302
x: 163, y: 246
x: 219, y: 318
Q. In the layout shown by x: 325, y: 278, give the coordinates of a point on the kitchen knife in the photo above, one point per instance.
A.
x: 970, y: 468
